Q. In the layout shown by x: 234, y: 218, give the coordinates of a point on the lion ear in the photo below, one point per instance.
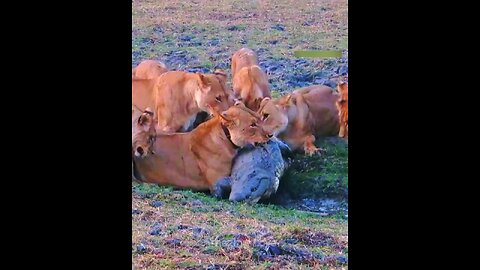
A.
x: 291, y: 100
x: 203, y: 81
x: 146, y: 117
x: 225, y: 116
x: 288, y: 98
x: 142, y: 120
x: 264, y: 100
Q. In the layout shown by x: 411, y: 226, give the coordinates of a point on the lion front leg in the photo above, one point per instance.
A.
x: 309, y: 146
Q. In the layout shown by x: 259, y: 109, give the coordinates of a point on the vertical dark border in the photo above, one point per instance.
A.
x: 69, y: 178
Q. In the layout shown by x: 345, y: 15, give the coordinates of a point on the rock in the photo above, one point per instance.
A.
x: 195, y: 44
x: 197, y: 203
x: 198, y: 69
x: 279, y: 27
x: 214, y: 42
x: 156, y: 230
x: 240, y: 227
x: 136, y: 212
x: 179, y: 53
x: 274, y: 250
x: 182, y: 227
x: 198, y: 231
x: 185, y: 38
x: 342, y: 260
x: 241, y: 237
x: 157, y: 29
x: 291, y: 241
x: 156, y: 204
x: 301, y: 62
x: 141, y: 249
x: 173, y: 242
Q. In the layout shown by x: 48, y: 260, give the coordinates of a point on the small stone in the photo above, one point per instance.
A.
x: 197, y: 202
x: 155, y: 231
x: 173, y: 242
x: 185, y: 38
x: 214, y: 42
x: 156, y: 203
x: 198, y: 230
x: 141, y: 249
x: 182, y: 227
x: 241, y: 237
x: 279, y: 27
x: 342, y: 260
x: 291, y: 241
x: 274, y: 250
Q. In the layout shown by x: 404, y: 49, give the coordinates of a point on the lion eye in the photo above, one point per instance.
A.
x: 218, y: 99
x: 253, y: 125
x: 265, y: 116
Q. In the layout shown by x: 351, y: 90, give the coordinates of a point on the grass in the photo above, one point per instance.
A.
x: 231, y: 235
x: 193, y: 230
x: 324, y: 175
x: 303, y: 25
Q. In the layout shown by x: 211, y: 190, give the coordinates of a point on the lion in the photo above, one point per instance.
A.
x: 149, y: 69
x: 177, y: 97
x: 300, y: 116
x: 197, y: 159
x: 250, y: 83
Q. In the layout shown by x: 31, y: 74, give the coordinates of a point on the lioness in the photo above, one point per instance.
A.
x: 149, y: 69
x: 243, y: 58
x: 250, y: 83
x: 148, y: 134
x: 342, y: 106
x: 177, y: 97
x: 300, y: 116
x: 139, y: 120
x: 197, y: 159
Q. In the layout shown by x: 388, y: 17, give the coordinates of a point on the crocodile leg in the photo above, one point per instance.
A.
x: 221, y: 188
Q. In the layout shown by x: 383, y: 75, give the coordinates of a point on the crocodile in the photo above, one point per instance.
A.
x: 256, y: 173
